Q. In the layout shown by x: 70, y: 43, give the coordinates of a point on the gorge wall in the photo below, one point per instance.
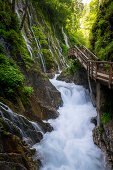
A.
x: 25, y: 55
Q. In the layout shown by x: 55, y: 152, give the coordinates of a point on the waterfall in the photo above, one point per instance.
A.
x: 70, y: 146
x: 60, y: 53
x: 28, y: 45
x: 38, y: 44
x: 64, y: 60
x: 20, y: 126
x: 65, y: 38
x: 50, y: 49
x: 27, y: 41
x: 23, y: 32
x: 91, y: 92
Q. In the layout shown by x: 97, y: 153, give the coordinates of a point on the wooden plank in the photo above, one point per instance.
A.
x: 110, y: 75
x: 96, y: 69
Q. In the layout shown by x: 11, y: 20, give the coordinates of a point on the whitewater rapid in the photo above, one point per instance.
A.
x: 70, y: 146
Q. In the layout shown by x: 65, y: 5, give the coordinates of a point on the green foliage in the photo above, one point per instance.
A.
x: 105, y: 117
x: 87, y: 20
x: 1, y: 48
x: 14, y: 168
x: 28, y: 91
x: 38, y: 31
x: 100, y: 129
x: 48, y: 59
x: 62, y: 13
x: 102, y: 32
x: 64, y: 49
x: 5, y: 133
x: 74, y: 65
x: 11, y: 76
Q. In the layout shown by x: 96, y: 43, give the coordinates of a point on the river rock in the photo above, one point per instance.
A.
x: 14, y: 154
x: 68, y: 78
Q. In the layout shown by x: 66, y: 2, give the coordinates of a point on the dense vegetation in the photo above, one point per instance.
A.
x: 102, y: 32
x: 88, y: 18
x: 12, y: 81
x: 63, y: 13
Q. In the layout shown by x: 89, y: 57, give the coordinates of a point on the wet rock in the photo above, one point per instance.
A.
x: 50, y: 112
x: 103, y: 137
x: 68, y: 78
x: 50, y: 75
x: 11, y: 166
x: 46, y: 93
x: 81, y: 77
x: 94, y: 120
x: 15, y: 154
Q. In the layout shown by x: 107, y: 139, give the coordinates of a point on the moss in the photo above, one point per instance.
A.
x: 28, y: 91
x: 64, y: 49
x: 38, y: 31
x: 74, y: 65
x: 10, y: 77
x: 48, y: 59
x: 14, y: 168
x: 106, y: 117
x: 1, y: 48
x: 5, y: 133
x: 44, y: 44
x: 100, y: 130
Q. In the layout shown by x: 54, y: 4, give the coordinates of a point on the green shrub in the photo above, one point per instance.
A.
x: 28, y: 91
x: 10, y: 76
x: 64, y: 49
x: 1, y: 48
x: 105, y: 117
x: 48, y: 59
x: 102, y: 32
x: 74, y: 65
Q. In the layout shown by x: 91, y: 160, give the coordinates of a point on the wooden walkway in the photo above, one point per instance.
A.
x: 97, y: 70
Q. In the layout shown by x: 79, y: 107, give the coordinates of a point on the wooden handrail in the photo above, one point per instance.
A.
x: 96, y: 69
x: 94, y: 56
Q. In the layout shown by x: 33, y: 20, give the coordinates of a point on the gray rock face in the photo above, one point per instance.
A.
x: 15, y: 154
x: 66, y: 78
x: 46, y: 97
x: 81, y: 78
x: 103, y: 137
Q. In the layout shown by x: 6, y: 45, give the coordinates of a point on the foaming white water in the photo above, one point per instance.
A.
x: 70, y: 146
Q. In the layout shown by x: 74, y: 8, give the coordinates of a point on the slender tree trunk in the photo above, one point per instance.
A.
x: 24, y: 16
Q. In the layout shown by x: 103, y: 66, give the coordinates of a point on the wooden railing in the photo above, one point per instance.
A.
x: 89, y: 54
x: 98, y: 70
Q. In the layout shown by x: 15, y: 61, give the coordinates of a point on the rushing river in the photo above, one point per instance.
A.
x: 70, y: 146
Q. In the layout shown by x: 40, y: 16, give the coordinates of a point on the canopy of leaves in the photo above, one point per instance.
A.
x: 102, y: 32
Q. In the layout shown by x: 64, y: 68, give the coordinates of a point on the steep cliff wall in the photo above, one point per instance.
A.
x: 24, y: 55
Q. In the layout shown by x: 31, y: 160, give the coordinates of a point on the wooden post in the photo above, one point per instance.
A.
x: 96, y: 68
x: 89, y: 68
x: 92, y: 69
x: 98, y: 103
x: 110, y: 76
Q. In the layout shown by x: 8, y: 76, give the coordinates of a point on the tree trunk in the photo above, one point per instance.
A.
x: 24, y: 16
